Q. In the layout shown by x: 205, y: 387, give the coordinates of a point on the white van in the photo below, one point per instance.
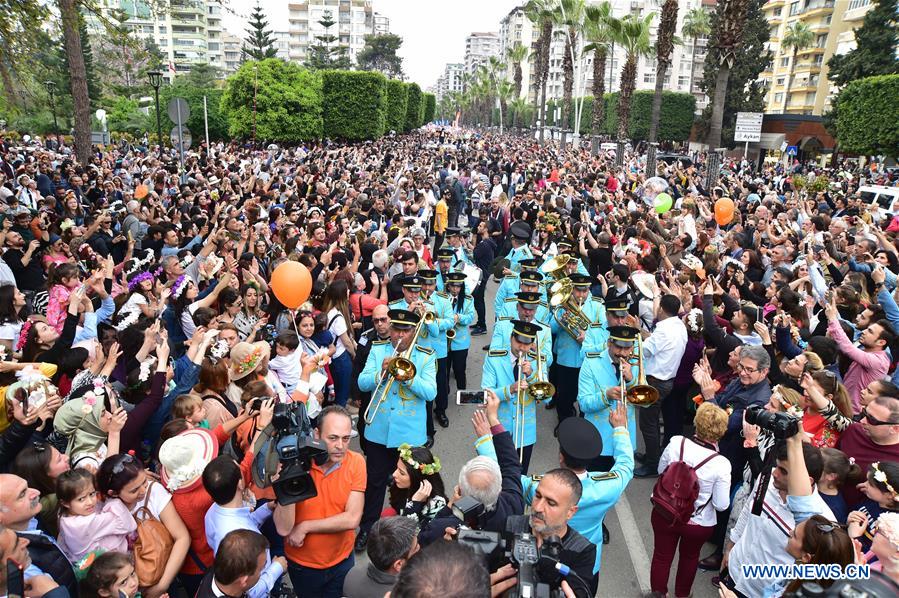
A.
x: 883, y: 200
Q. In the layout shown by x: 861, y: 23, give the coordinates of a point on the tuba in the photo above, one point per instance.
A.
x: 566, y: 310
x: 641, y: 394
x: 555, y: 268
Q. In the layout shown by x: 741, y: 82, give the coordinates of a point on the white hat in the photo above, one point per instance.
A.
x: 213, y: 180
x: 185, y: 456
x: 642, y: 282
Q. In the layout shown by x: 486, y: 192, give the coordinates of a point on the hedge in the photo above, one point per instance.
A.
x: 397, y: 96
x: 430, y: 107
x: 354, y: 104
x: 413, y: 107
x: 868, y: 116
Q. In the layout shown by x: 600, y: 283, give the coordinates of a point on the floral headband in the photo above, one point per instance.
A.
x: 693, y: 319
x: 218, y: 350
x: 129, y: 319
x: 23, y: 334
x: 145, y: 367
x: 135, y: 282
x: 881, y: 476
x: 425, y: 468
x: 249, y: 362
x: 178, y: 286
x: 187, y: 260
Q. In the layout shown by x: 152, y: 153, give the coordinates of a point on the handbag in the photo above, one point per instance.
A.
x: 153, y: 545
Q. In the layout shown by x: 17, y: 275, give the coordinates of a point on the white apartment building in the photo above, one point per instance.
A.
x: 381, y: 24
x: 478, y: 48
x: 188, y: 32
x: 451, y: 80
x: 281, y: 43
x: 353, y: 19
x: 232, y: 47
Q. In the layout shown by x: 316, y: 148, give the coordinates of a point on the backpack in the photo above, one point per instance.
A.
x: 677, y: 489
x: 153, y: 545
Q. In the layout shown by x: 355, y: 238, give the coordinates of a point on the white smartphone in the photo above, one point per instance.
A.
x: 471, y: 397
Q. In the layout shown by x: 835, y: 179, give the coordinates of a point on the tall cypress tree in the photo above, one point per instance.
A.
x: 875, y: 54
x: 258, y: 44
x: 744, y: 92
x: 325, y: 54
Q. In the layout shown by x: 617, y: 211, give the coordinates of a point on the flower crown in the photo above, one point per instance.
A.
x: 128, y: 320
x: 135, y: 282
x: 249, y: 362
x: 425, y: 468
x: 23, y: 334
x: 145, y: 367
x: 178, y: 286
x: 187, y: 260
x: 218, y: 350
x: 137, y: 263
x: 693, y: 319
x: 881, y: 476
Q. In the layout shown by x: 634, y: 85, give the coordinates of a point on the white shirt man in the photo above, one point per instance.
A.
x: 665, y: 347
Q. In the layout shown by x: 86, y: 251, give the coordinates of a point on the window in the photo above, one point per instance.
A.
x: 780, y: 80
x: 785, y: 61
x: 822, y: 40
x: 853, y: 4
x: 778, y: 98
x: 649, y: 78
x: 683, y: 81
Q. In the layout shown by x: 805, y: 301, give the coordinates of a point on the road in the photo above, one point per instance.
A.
x: 626, y: 559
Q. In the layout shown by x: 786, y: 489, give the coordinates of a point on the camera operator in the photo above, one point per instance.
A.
x: 319, y: 531
x: 495, y: 483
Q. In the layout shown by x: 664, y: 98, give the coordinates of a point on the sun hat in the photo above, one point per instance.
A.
x: 246, y: 357
x: 185, y: 456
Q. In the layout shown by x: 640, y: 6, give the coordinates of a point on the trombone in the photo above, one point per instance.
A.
x: 566, y: 310
x: 400, y: 368
x: 540, y: 390
x: 519, y: 408
x: 641, y: 394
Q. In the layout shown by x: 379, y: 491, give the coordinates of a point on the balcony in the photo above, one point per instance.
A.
x: 772, y: 5
x: 810, y: 51
x: 820, y: 8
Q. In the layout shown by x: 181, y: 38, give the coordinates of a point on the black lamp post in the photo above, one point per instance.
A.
x: 155, y: 82
x: 51, y: 89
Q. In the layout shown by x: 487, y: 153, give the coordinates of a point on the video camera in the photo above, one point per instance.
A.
x: 877, y: 586
x: 781, y: 425
x: 296, y: 448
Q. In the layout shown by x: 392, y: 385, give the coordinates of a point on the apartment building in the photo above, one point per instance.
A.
x: 353, y: 19
x: 833, y: 23
x: 232, y: 49
x: 451, y: 79
x: 479, y: 47
x: 381, y: 24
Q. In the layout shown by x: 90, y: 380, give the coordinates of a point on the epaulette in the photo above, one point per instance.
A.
x: 543, y: 304
x: 444, y: 295
x: 595, y: 324
x: 594, y: 354
x: 511, y: 299
x: 467, y: 296
x: 497, y: 352
x: 511, y: 277
x: 380, y: 342
x: 537, y: 477
x: 425, y: 350
x: 608, y: 475
x: 397, y: 302
x: 428, y: 301
x: 532, y: 354
x: 503, y: 318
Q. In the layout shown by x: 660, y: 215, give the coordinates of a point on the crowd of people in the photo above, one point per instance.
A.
x: 147, y: 366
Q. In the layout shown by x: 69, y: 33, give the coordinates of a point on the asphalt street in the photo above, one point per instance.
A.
x: 626, y: 559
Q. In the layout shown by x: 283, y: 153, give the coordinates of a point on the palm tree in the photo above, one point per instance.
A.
x: 597, y: 30
x: 664, y: 47
x: 570, y: 14
x: 696, y: 24
x: 632, y: 34
x: 516, y: 54
x: 728, y: 35
x: 518, y: 106
x: 798, y: 37
x: 540, y: 12
x: 504, y: 89
x: 496, y: 70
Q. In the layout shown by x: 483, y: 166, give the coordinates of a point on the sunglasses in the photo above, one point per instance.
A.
x: 873, y: 421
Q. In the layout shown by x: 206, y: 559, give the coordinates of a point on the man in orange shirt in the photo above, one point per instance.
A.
x: 319, y: 532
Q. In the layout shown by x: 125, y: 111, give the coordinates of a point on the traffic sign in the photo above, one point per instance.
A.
x: 748, y: 126
x: 792, y: 150
x: 178, y: 110
x: 783, y: 146
x: 184, y: 136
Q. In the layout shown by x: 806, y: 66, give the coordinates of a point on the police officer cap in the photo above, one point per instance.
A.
x: 623, y: 336
x: 621, y: 303
x: 453, y: 231
x: 455, y: 278
x: 531, y: 262
x: 520, y: 230
x: 402, y: 318
x: 564, y: 242
x: 526, y: 331
x: 579, y: 439
x: 428, y: 275
x: 580, y: 280
x: 531, y: 278
x: 445, y: 254
x: 412, y: 282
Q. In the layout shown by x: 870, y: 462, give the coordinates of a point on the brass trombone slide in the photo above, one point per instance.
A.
x: 399, y: 368
x: 642, y: 394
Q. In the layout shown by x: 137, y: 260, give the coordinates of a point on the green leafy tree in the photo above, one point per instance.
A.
x: 430, y: 107
x: 413, y: 107
x: 867, y: 117
x: 696, y: 24
x: 676, y: 119
x: 20, y: 30
x: 125, y: 116
x: 202, y: 75
x: 876, y: 51
x: 380, y: 54
x: 569, y: 14
x: 798, y: 37
x: 258, y: 45
x: 632, y: 34
x: 288, y: 102
x: 354, y: 105
x: 665, y: 41
x: 193, y: 94
x: 325, y: 54
x: 397, y: 98
x: 744, y: 92
x: 728, y: 27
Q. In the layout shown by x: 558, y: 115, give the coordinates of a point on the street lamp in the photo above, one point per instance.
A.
x: 255, y: 86
x: 155, y: 82
x: 51, y: 89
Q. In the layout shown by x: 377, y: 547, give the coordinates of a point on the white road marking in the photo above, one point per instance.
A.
x: 634, y: 542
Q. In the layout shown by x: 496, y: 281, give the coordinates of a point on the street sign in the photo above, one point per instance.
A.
x: 792, y: 150
x: 176, y: 106
x: 748, y: 126
x: 783, y: 147
x: 184, y: 135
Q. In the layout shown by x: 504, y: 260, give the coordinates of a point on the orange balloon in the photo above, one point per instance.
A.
x: 291, y: 283
x: 724, y: 211
x: 141, y: 192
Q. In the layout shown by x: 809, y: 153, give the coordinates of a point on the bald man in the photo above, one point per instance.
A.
x: 379, y: 333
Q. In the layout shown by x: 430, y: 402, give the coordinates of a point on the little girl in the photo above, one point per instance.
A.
x: 838, y: 469
x: 110, y: 576
x: 61, y: 280
x: 85, y: 525
x: 882, y: 490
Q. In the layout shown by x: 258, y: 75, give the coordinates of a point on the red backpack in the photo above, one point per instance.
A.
x: 677, y: 489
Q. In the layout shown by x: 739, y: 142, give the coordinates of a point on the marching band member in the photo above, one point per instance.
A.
x: 529, y: 282
x: 566, y: 246
x: 617, y: 314
x: 441, y: 305
x: 457, y: 245
x: 401, y: 417
x: 463, y: 315
x: 528, y: 304
x: 517, y: 411
x: 520, y: 236
x: 598, y: 388
x: 511, y: 283
x: 444, y: 266
x: 569, y: 356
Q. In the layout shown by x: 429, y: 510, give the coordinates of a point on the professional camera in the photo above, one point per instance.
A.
x: 781, y: 425
x: 877, y: 586
x: 296, y: 448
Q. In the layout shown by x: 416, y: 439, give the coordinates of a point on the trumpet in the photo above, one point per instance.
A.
x: 641, y: 394
x: 566, y: 311
x: 540, y: 390
x: 555, y: 268
x: 400, y: 368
